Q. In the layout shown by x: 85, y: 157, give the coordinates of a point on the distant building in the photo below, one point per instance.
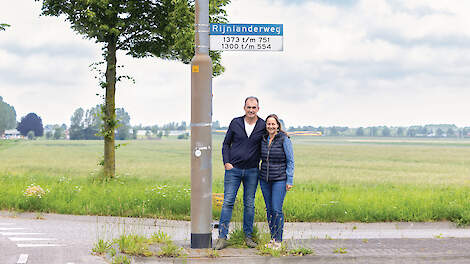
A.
x: 143, y: 132
x: 12, y: 134
x: 305, y: 133
x: 178, y: 132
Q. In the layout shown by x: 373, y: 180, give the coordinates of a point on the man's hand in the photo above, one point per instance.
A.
x: 288, y: 187
x: 228, y: 166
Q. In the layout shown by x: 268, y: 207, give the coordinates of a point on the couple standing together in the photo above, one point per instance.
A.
x: 250, y: 139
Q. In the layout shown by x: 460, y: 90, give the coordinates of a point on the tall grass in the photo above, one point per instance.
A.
x: 123, y: 197
x: 335, y: 179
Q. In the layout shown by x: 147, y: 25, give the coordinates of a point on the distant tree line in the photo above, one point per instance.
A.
x: 431, y: 130
x: 87, y: 124
x: 55, y: 131
x: 158, y: 131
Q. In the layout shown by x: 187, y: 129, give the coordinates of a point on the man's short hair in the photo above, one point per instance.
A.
x: 252, y: 97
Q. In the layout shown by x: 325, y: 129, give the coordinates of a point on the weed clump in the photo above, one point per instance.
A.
x: 135, y: 245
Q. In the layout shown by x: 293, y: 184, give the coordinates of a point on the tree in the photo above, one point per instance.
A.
x: 7, y: 116
x: 400, y: 132
x: 31, y: 122
x: 423, y: 131
x: 411, y: 132
x: 86, y: 124
x: 466, y: 132
x: 49, y: 134
x: 182, y: 126
x: 77, y: 125
x: 58, y: 132
x: 360, y: 132
x: 162, y: 28
x: 30, y: 135
x: 92, y: 123
x: 124, y: 126
x: 155, y: 129
x: 3, y: 26
x: 386, y: 132
x: 451, y: 132
x: 333, y: 131
x: 216, y: 125
x: 374, y: 131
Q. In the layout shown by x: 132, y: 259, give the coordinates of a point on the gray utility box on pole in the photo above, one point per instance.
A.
x: 201, y: 138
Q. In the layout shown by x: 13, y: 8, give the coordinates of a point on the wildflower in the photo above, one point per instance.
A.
x: 273, y: 244
x: 34, y: 191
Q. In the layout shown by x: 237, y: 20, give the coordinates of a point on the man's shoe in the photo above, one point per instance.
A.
x: 250, y: 243
x: 221, y: 243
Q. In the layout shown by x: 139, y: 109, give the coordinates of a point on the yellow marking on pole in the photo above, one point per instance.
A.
x: 195, y: 68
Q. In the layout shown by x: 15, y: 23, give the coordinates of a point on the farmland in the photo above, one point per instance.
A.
x: 336, y: 179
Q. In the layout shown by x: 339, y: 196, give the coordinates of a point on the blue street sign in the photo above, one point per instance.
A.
x: 246, y: 29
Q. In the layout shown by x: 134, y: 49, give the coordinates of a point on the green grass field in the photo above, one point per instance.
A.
x: 336, y: 179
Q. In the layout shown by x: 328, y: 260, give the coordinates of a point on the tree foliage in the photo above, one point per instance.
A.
x: 7, y: 116
x: 76, y: 124
x: 386, y: 131
x: 3, y: 26
x: 30, y: 135
x: 360, y: 132
x: 124, y: 124
x: 86, y: 124
x: 92, y: 123
x: 141, y: 28
x: 55, y: 131
x: 59, y: 132
x: 31, y: 122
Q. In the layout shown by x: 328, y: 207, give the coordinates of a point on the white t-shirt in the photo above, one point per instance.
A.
x: 249, y: 128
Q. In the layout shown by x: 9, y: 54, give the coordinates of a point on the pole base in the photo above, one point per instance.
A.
x: 201, y: 240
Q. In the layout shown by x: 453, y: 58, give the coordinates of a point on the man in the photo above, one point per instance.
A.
x: 241, y: 155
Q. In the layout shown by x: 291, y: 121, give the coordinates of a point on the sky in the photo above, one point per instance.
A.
x: 345, y: 63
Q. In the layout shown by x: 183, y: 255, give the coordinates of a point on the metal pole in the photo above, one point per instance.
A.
x: 201, y: 138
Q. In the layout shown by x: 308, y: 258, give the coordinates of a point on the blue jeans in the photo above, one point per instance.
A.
x: 232, y: 180
x: 274, y: 193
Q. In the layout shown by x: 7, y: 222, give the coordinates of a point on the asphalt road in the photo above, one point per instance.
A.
x: 68, y: 239
x: 46, y: 241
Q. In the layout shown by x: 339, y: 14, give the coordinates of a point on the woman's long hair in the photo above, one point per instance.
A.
x: 278, y: 123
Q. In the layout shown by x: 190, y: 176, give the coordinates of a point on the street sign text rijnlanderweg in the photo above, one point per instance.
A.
x: 246, y: 37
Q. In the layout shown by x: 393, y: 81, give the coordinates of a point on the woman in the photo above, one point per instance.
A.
x: 276, y: 175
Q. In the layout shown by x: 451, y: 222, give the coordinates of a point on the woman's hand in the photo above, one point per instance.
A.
x: 288, y: 187
x: 228, y: 166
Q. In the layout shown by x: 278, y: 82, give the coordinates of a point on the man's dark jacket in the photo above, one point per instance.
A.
x: 241, y: 151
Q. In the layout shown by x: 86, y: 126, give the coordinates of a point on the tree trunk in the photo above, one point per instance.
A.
x: 110, y: 112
